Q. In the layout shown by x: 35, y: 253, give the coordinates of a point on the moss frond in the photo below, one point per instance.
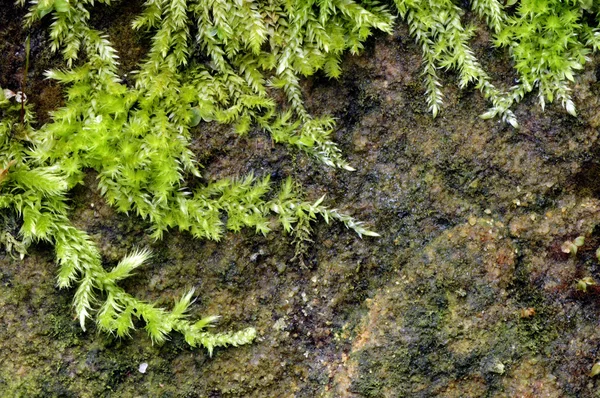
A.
x: 138, y: 137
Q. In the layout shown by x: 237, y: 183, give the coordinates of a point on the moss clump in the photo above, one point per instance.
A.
x: 137, y: 138
x: 222, y: 62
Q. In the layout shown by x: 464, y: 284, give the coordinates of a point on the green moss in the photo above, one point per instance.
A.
x: 422, y: 178
x: 138, y: 141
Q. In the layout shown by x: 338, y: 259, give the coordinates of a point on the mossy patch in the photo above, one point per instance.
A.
x: 472, y: 215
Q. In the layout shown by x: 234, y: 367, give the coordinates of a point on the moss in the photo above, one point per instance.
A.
x: 431, y: 309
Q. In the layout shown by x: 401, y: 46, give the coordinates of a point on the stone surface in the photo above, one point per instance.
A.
x: 467, y: 292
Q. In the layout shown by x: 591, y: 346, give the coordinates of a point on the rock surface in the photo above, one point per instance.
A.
x: 467, y: 292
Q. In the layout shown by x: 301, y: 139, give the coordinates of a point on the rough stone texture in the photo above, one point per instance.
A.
x: 467, y: 292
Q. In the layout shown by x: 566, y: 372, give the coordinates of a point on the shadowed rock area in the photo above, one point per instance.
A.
x: 466, y: 294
